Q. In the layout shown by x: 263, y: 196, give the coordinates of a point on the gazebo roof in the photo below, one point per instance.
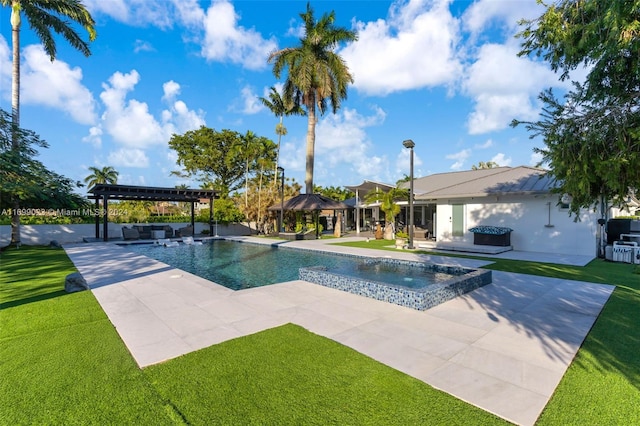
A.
x: 306, y: 202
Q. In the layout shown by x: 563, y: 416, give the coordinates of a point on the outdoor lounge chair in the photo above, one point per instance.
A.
x: 187, y: 231
x: 130, y: 234
x: 191, y: 242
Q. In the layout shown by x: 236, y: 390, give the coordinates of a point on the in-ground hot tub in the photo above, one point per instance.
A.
x: 415, y: 285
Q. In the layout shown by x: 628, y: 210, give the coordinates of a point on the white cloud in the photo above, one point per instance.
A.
x: 342, y: 141
x: 129, y: 157
x: 171, y: 89
x: 250, y: 102
x: 94, y: 137
x: 180, y: 119
x: 403, y: 162
x: 501, y: 160
x: 129, y: 122
x: 143, y: 46
x: 487, y: 144
x: 482, y: 13
x: 503, y: 87
x: 159, y: 13
x: 413, y: 48
x: 225, y: 40
x: 460, y: 158
x: 535, y: 159
x: 55, y: 84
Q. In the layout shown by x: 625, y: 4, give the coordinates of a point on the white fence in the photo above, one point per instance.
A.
x: 44, y: 234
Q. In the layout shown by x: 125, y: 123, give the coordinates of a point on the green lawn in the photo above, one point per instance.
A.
x: 62, y: 362
x: 602, y: 385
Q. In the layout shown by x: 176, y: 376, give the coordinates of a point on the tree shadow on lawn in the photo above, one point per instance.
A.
x: 565, y: 316
x: 18, y: 300
x: 614, y: 340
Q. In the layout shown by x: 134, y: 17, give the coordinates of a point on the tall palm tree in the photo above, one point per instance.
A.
x: 104, y: 175
x: 276, y: 105
x: 316, y: 74
x: 43, y: 16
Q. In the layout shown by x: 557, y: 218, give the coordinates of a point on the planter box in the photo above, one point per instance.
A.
x: 491, y: 236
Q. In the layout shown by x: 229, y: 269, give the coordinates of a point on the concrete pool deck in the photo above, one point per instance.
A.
x: 503, y: 347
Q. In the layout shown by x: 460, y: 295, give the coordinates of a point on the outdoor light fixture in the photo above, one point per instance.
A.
x: 409, y: 144
x: 281, y: 171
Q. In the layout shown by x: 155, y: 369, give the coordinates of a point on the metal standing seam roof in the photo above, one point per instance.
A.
x: 484, y: 182
x: 149, y: 193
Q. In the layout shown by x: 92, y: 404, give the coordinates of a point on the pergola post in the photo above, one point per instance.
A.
x: 105, y: 218
x: 211, y: 216
x: 193, y: 218
x: 357, y: 212
x: 96, y: 215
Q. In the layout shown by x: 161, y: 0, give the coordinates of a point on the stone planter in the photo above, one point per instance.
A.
x: 401, y: 242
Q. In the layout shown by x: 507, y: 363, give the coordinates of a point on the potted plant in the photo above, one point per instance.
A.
x: 401, y: 239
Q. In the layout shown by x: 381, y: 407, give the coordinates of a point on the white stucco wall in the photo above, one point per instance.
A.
x: 529, y: 218
x: 44, y: 234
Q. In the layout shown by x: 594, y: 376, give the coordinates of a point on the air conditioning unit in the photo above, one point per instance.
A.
x: 626, y: 251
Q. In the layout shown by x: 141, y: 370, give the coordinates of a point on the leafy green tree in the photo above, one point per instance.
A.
x: 210, y: 156
x: 43, y: 16
x: 27, y: 181
x: 277, y: 106
x: 485, y: 165
x: 105, y: 175
x: 592, y: 136
x: 317, y: 75
x: 338, y: 194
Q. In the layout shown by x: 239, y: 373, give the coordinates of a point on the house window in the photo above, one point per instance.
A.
x: 457, y: 220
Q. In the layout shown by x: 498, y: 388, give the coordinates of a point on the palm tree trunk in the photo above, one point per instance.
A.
x: 311, y: 142
x: 260, y: 193
x: 15, y: 109
x: 246, y: 184
x: 275, y: 169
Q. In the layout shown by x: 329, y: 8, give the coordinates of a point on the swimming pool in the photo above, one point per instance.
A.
x: 244, y: 265
x: 240, y: 265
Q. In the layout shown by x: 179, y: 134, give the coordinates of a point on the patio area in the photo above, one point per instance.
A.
x: 503, y: 347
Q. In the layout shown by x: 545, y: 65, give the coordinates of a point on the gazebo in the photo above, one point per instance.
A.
x: 309, y: 202
x: 106, y: 192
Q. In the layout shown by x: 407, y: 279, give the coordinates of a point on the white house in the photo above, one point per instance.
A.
x: 520, y: 198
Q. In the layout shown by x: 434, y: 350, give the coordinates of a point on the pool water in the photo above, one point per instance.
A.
x: 395, y: 273
x: 244, y: 265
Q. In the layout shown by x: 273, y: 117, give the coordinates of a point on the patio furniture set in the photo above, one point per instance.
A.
x: 154, y: 232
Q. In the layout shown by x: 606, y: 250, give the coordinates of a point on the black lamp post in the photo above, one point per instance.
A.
x: 409, y: 144
x: 281, y: 171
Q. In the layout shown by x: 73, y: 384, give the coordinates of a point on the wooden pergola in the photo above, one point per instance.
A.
x: 106, y: 192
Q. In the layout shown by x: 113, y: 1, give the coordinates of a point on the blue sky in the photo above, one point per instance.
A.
x: 443, y: 73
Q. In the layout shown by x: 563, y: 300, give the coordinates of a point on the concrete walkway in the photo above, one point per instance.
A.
x: 503, y: 347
